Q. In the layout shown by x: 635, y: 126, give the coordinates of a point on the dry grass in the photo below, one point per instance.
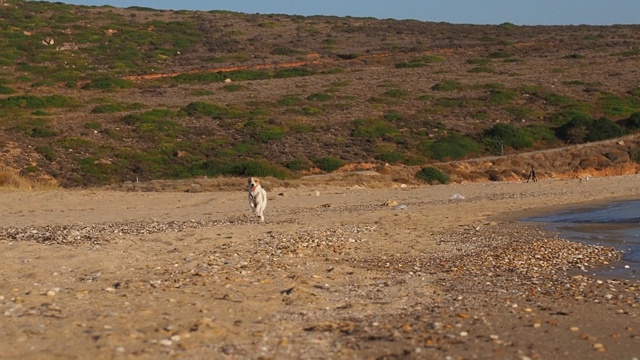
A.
x: 10, y: 180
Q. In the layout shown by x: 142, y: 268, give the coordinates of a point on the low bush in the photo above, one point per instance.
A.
x: 48, y: 152
x: 292, y: 72
x: 582, y: 129
x: 453, y: 147
x: 633, y: 122
x: 373, y: 128
x: 268, y: 134
x: 290, y: 101
x: 319, y: 97
x: 38, y: 102
x: 432, y: 175
x: 329, y: 163
x: 36, y: 128
x: 299, y: 165
x: 479, y: 61
x: 233, y: 87
x: 481, y: 69
x: 507, y: 135
x: 243, y: 168
x: 619, y: 106
x: 115, y: 108
x: 204, y: 109
x: 391, y: 157
x: 5, y: 90
x: 396, y: 94
x: 501, y: 96
x: 447, y: 85
x: 92, y: 125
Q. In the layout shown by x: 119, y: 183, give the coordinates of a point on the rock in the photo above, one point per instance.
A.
x: 195, y: 188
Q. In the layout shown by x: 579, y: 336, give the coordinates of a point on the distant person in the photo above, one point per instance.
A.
x: 532, y: 175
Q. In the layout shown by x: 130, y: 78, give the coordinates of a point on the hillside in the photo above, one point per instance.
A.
x: 101, y: 95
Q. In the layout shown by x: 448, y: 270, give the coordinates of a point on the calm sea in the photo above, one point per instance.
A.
x: 615, y: 224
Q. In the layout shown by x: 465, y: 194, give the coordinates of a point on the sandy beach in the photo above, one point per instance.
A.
x: 335, y: 272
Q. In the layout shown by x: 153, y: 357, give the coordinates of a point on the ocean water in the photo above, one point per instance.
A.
x: 615, y: 224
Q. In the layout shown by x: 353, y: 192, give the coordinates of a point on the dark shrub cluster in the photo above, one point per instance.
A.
x: 432, y: 175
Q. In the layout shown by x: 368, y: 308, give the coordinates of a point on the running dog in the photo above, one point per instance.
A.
x: 257, y: 197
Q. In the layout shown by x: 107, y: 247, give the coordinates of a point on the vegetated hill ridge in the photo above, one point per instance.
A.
x: 148, y: 94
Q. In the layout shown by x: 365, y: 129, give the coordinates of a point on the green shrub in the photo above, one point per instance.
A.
x: 585, y: 129
x: 390, y: 157
x: 447, y: 85
x: 301, y: 128
x: 233, y: 87
x: 114, y: 108
x: 5, y: 90
x: 290, y: 101
x: 243, y: 168
x: 329, y: 163
x: 396, y: 93
x: 613, y: 105
x: 392, y: 115
x: 454, y: 147
x: 92, y: 125
x: 319, y: 97
x: 481, y: 69
x: 261, y: 168
x: 603, y: 128
x: 558, y: 99
x: 292, y: 72
x: 563, y: 116
x: 373, y: 128
x: 36, y: 128
x: 541, y: 133
x: 449, y: 103
x: 479, y: 62
x: 47, y: 152
x: 204, y: 109
x: 635, y: 155
x: 574, y: 56
x: 508, y: 135
x: 40, y: 113
x: 507, y: 26
x: 633, y: 122
x: 269, y: 134
x: 500, y: 55
x: 299, y: 165
x: 154, y: 123
x: 76, y: 144
x: 432, y: 175
x: 38, y: 102
x: 501, y: 96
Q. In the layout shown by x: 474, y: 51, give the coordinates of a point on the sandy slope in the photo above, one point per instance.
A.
x: 332, y: 274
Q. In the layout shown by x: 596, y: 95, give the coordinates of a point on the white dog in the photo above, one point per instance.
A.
x: 257, y: 197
